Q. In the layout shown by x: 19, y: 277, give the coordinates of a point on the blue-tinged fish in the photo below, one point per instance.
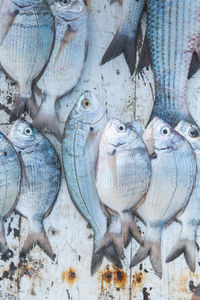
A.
x: 80, y: 144
x: 173, y: 166
x: 190, y: 218
x: 41, y: 176
x: 173, y: 33
x: 123, y: 177
x: 10, y: 179
x: 125, y: 40
x: 26, y: 39
x: 66, y: 62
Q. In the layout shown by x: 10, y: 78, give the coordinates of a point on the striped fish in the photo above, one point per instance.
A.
x: 190, y: 218
x: 173, y: 32
x: 173, y: 175
x: 80, y: 143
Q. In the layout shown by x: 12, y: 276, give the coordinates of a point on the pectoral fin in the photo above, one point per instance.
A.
x: 195, y: 65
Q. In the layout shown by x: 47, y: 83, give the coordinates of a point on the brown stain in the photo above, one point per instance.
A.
x: 120, y: 278
x: 65, y: 40
x: 106, y: 278
x: 87, y: 3
x: 115, y: 276
x: 69, y: 276
x: 138, y: 282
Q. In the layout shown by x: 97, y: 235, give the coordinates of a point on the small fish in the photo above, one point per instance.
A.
x: 125, y: 40
x: 123, y: 177
x: 173, y: 175
x: 41, y: 176
x: 173, y: 31
x: 66, y: 62
x: 190, y: 218
x: 26, y: 42
x: 10, y: 179
x: 80, y: 144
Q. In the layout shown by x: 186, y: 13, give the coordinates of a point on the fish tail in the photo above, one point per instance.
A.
x: 37, y: 238
x: 186, y: 247
x: 129, y: 228
x: 47, y: 120
x: 122, y: 43
x: 195, y: 65
x: 23, y: 104
x: 112, y: 255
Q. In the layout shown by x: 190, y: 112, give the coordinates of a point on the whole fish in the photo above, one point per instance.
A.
x: 125, y: 40
x: 173, y: 33
x: 66, y: 62
x: 10, y: 178
x: 190, y: 218
x: 173, y: 175
x: 80, y: 144
x: 123, y: 176
x: 26, y: 47
x: 41, y: 175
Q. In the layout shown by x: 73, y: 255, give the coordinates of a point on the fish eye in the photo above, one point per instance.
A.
x: 121, y: 128
x: 65, y: 2
x: 86, y: 103
x: 28, y: 131
x: 165, y: 131
x: 193, y: 133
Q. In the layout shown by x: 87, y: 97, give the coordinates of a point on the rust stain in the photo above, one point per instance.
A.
x: 69, y: 276
x: 120, y: 278
x: 87, y: 3
x: 106, y: 277
x: 138, y: 282
x: 115, y: 276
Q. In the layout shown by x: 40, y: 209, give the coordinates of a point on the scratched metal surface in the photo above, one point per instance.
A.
x: 71, y: 238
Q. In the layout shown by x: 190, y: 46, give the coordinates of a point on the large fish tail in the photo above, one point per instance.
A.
x: 129, y: 228
x: 186, y: 247
x: 152, y: 248
x: 37, y: 238
x: 45, y: 119
x: 122, y: 43
x: 23, y: 104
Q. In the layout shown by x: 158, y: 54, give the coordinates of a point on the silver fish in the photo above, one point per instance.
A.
x: 190, y: 218
x: 125, y: 40
x: 173, y: 32
x: 80, y: 143
x: 26, y: 47
x: 123, y: 176
x: 173, y: 175
x: 10, y: 178
x: 41, y: 172
x: 66, y: 62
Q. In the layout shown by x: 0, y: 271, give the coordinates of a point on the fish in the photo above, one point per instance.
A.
x: 10, y: 180
x: 40, y: 184
x: 66, y: 63
x: 186, y: 243
x: 173, y: 167
x: 123, y: 178
x: 80, y: 143
x: 25, y: 47
x: 173, y: 34
x: 125, y: 40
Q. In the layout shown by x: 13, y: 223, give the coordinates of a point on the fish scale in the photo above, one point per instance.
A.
x: 173, y: 32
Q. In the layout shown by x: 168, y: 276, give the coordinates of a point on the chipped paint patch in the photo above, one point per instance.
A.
x: 69, y: 276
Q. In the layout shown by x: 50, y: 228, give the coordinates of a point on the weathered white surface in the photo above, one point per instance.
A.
x: 71, y: 239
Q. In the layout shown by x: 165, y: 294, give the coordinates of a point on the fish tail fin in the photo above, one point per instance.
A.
x: 37, y: 238
x: 122, y: 43
x: 23, y: 104
x: 129, y: 228
x: 152, y: 249
x: 145, y: 57
x: 97, y: 259
x: 188, y: 248
x: 45, y: 119
x: 112, y: 255
x: 195, y: 65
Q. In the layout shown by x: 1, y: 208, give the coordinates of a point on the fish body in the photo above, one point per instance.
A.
x: 25, y: 49
x: 10, y: 178
x: 125, y: 40
x: 189, y: 219
x: 123, y: 175
x: 173, y: 175
x: 173, y: 33
x: 80, y: 143
x: 66, y: 62
x: 41, y: 172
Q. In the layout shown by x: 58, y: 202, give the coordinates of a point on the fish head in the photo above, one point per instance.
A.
x: 88, y: 109
x: 23, y: 135
x: 160, y: 136
x: 137, y: 126
x: 68, y: 10
x: 191, y: 132
x: 118, y: 136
